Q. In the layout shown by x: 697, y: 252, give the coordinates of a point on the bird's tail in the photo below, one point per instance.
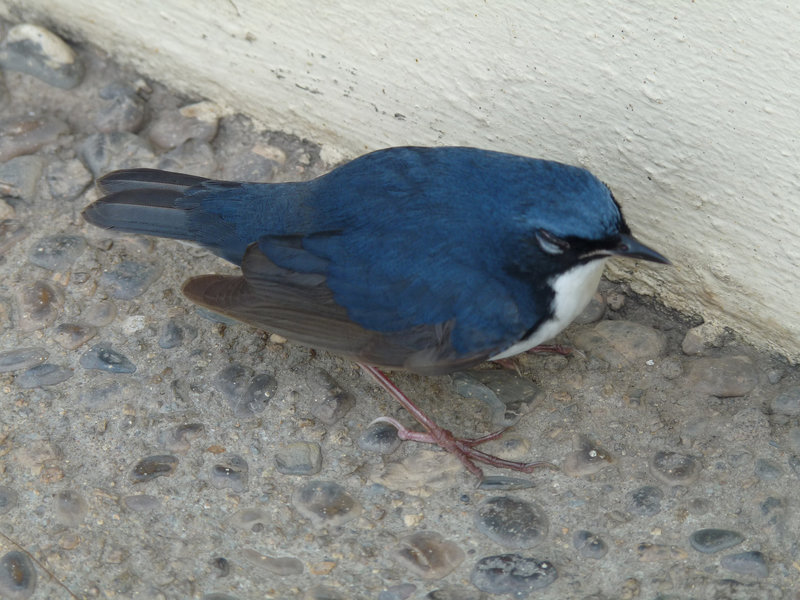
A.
x: 172, y: 205
x: 144, y: 201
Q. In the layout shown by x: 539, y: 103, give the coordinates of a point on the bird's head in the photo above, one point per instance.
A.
x: 572, y: 217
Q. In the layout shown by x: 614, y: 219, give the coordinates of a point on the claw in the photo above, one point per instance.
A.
x: 464, y: 449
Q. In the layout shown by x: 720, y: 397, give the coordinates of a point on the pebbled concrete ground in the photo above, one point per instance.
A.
x: 150, y: 450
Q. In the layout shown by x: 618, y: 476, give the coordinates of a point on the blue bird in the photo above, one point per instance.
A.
x: 426, y: 259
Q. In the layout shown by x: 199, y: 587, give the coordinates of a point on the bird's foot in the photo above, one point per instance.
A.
x: 463, y: 448
x: 554, y: 349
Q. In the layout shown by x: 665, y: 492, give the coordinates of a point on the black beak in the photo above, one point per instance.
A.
x: 632, y: 248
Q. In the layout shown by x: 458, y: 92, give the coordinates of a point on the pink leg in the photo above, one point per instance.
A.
x: 464, y: 449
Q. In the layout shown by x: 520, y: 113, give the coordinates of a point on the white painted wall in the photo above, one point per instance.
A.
x: 690, y: 111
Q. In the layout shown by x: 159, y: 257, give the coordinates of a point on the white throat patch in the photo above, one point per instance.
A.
x: 573, y: 290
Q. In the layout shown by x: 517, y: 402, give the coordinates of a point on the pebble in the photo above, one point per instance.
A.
x: 219, y: 596
x: 329, y: 401
x: 589, y: 545
x: 787, y: 403
x: 193, y: 156
x: 26, y: 136
x: 379, y: 437
x: 281, y: 566
x: 141, y: 503
x: 101, y: 314
x: 103, y: 358
x: 621, y: 343
x: 73, y: 335
x: 121, y: 109
x: 709, y: 541
x: 17, y: 576
x: 421, y: 473
x: 19, y: 177
x: 511, y: 522
x: 21, y: 358
x: 12, y: 232
x: 247, y: 395
x: 230, y: 472
x: 39, y: 52
x: 455, y: 592
x: 179, y: 438
x: 221, y: 564
x: 324, y: 592
x: 130, y: 279
x: 8, y: 499
x: 645, y: 501
x: 254, y: 519
x: 428, y: 555
x: 104, y: 152
x: 400, y: 591
x: 174, y: 333
x: 673, y: 468
x: 151, y: 467
x: 698, y: 339
x: 587, y: 459
x: 325, y: 503
x: 70, y: 508
x: 767, y: 470
x: 299, y: 458
x: 67, y: 179
x: 794, y: 464
x: 724, y: 377
x: 497, y: 483
x: 43, y: 375
x: 660, y: 553
x: 508, y: 395
x: 751, y: 563
x: 39, y: 305
x: 512, y: 574
x: 56, y: 252
x: 172, y: 128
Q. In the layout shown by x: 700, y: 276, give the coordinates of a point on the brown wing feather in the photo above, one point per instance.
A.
x: 301, y: 307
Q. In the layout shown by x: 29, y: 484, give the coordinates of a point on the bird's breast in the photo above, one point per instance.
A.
x: 572, y: 291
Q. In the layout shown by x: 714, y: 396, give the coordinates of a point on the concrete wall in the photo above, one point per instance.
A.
x: 688, y: 110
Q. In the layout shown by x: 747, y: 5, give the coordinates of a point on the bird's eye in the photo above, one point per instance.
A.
x: 550, y: 243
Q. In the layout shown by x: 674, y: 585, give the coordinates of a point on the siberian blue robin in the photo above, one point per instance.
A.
x: 426, y: 259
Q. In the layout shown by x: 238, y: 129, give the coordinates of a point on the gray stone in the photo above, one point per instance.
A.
x: 673, y: 468
x: 38, y: 52
x: 151, y: 467
x: 787, y: 403
x: 18, y: 359
x: 621, y: 343
x: 103, y: 358
x: 512, y: 574
x: 299, y: 458
x: 26, y: 135
x: 508, y: 395
x: 121, y: 109
x: 428, y: 555
x: 589, y: 545
x: 325, y: 503
x: 43, y: 375
x: 511, y: 522
x: 281, y: 566
x: 751, y: 563
x: 723, y: 377
x: 12, y: 232
x: 20, y: 176
x: 130, y: 279
x: 231, y: 471
x: 56, y: 252
x: 68, y: 179
x: 329, y: 401
x: 104, y: 152
x: 17, y: 576
x: 39, y: 305
x: 709, y: 541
